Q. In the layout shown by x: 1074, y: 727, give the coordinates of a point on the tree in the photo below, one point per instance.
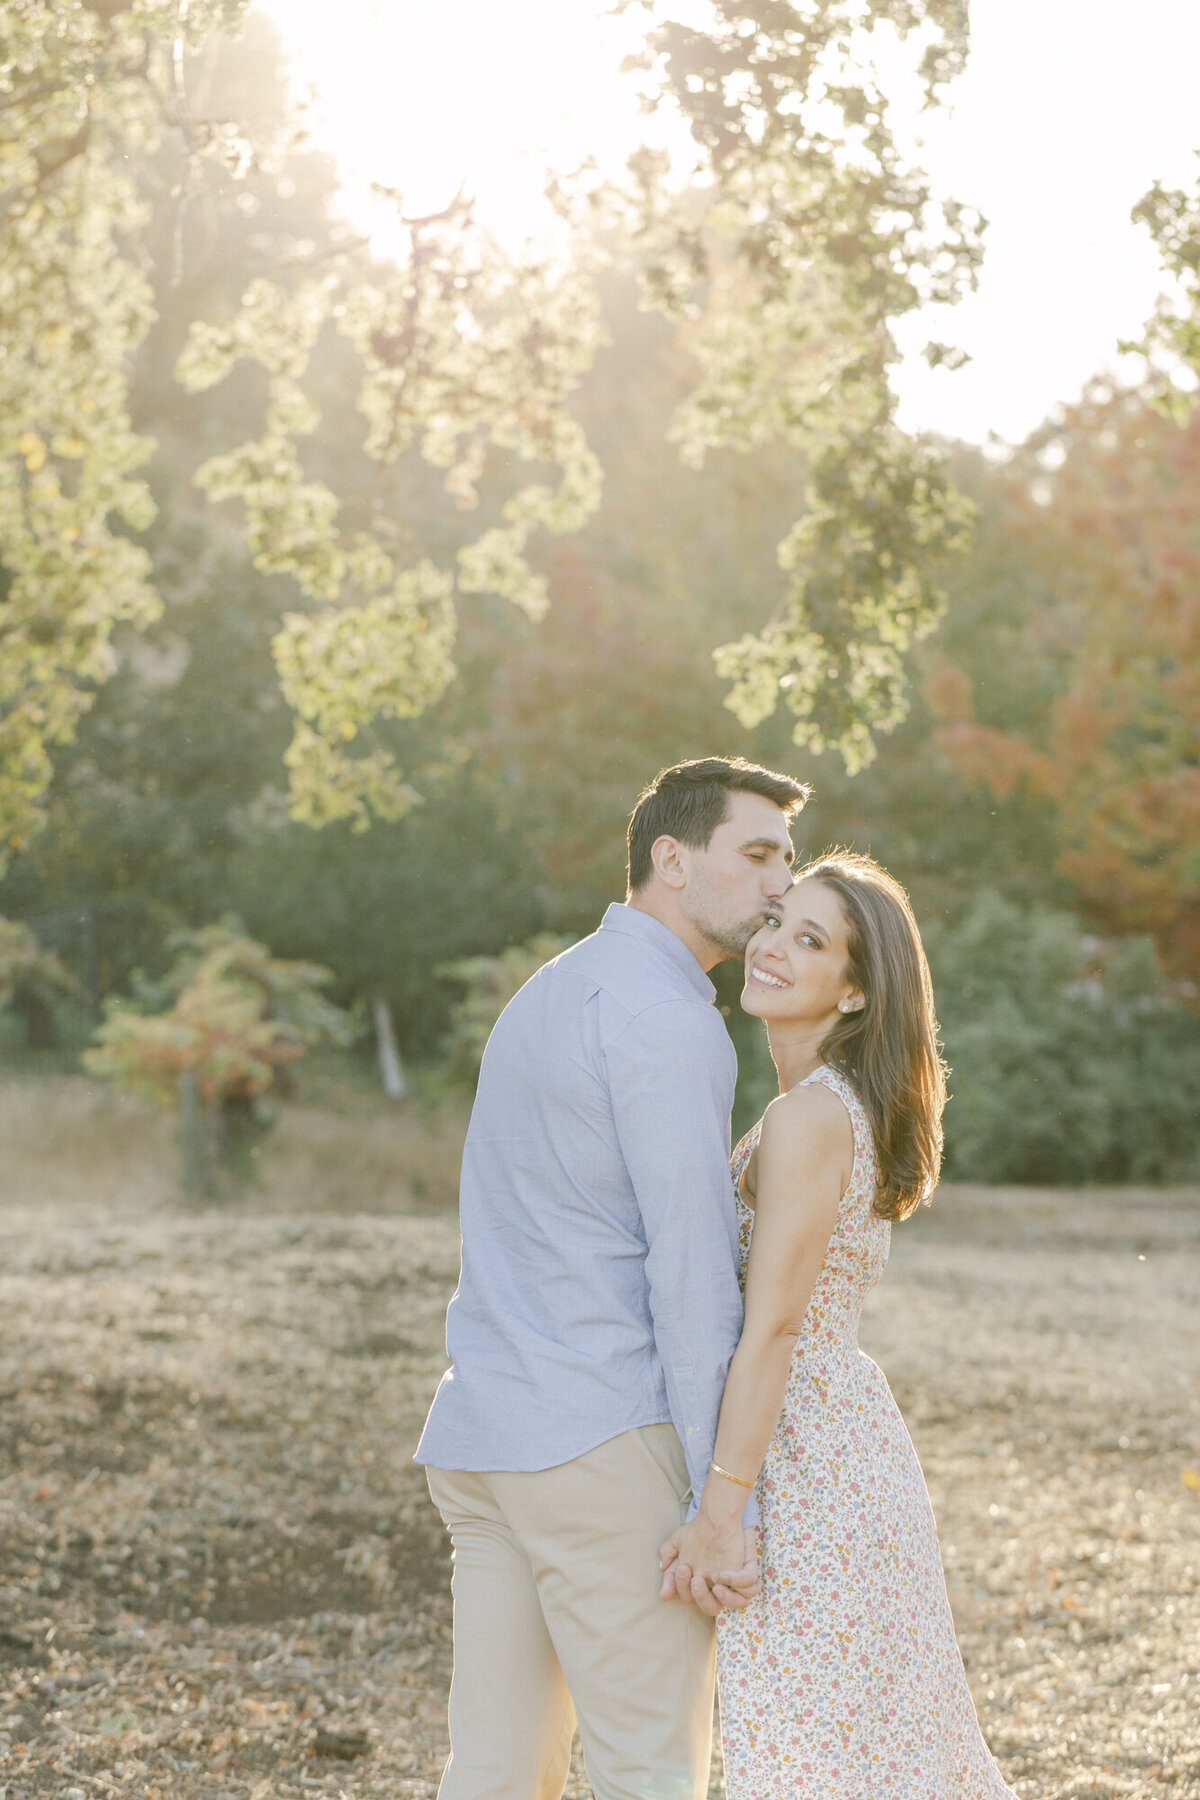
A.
x: 1171, y: 343
x: 1102, y: 508
x: 463, y: 353
x: 618, y: 680
x: 810, y: 237
x: 464, y: 363
x: 171, y: 796
x: 82, y: 88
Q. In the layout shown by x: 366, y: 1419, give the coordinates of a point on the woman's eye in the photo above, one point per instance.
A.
x: 773, y: 923
x: 806, y: 937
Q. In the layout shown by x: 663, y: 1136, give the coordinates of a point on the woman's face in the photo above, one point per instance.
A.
x: 796, y: 963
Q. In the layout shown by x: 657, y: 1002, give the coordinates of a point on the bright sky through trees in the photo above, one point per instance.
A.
x: 1068, y: 111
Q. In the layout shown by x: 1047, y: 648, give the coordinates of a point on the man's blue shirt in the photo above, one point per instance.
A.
x: 598, y: 1289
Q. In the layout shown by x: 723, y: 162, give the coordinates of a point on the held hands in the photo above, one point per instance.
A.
x: 715, y: 1566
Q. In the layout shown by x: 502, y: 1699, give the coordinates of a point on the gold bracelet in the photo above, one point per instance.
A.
x: 718, y: 1470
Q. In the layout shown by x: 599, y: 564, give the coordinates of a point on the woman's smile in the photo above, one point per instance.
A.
x: 766, y: 978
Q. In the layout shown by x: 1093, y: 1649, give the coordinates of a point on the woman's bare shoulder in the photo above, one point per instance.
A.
x: 810, y: 1120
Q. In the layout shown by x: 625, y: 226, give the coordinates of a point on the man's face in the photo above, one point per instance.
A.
x: 744, y: 868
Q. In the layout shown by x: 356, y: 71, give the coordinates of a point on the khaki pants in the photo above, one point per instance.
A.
x: 557, y: 1618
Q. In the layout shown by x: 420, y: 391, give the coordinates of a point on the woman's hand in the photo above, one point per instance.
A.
x: 715, y: 1567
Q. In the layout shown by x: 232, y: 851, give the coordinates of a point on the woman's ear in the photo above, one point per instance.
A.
x: 852, y: 1002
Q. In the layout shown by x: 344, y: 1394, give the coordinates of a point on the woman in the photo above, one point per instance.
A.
x: 841, y: 1680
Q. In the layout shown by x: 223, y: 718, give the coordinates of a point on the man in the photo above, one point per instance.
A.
x: 596, y: 1314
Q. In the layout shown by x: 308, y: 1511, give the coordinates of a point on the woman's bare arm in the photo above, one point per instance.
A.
x: 803, y: 1167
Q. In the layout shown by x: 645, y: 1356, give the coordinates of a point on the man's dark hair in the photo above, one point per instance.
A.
x: 689, y: 801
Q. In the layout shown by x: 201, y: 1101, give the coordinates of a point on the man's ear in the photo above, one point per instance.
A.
x: 667, y: 855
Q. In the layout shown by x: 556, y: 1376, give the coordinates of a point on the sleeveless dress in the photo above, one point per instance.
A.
x: 842, y: 1679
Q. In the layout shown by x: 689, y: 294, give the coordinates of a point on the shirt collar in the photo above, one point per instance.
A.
x: 630, y: 921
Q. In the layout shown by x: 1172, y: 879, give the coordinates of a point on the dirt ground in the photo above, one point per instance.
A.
x: 220, y: 1574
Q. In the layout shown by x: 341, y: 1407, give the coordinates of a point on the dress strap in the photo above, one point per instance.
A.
x: 829, y: 1077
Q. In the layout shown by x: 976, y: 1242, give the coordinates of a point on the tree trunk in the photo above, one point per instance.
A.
x: 197, y: 1150
x: 390, y: 1067
x: 38, y: 1016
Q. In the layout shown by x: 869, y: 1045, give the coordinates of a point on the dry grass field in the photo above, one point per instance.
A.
x: 219, y: 1573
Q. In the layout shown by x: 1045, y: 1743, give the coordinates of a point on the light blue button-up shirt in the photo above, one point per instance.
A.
x: 598, y: 1289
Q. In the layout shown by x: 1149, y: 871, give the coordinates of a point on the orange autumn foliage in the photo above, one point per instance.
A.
x: 1111, y: 540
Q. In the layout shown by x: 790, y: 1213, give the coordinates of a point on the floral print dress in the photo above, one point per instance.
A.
x: 842, y: 1679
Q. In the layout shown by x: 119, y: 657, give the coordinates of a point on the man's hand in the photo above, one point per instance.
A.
x: 713, y: 1567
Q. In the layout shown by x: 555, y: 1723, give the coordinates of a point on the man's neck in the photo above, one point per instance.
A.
x: 663, y: 908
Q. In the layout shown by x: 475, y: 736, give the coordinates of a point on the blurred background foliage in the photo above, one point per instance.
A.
x: 1040, y: 796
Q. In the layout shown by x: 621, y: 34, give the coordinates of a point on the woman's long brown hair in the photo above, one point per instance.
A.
x: 889, y: 1050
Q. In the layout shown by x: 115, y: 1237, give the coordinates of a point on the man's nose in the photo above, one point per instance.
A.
x: 777, y: 883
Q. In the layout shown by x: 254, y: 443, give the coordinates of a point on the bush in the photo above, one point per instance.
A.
x: 237, y: 1019
x: 1072, y: 1060
x: 32, y: 982
x: 489, y: 983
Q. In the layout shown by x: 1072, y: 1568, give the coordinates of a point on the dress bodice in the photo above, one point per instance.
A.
x: 857, y: 1251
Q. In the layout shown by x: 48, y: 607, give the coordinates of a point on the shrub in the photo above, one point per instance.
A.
x: 489, y: 983
x: 215, y: 1032
x: 32, y: 980
x: 1072, y: 1059
x: 238, y: 1018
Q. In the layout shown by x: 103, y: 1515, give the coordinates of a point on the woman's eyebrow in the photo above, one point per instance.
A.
x: 819, y: 929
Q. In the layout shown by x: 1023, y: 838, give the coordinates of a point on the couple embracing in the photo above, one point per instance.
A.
x: 658, y: 1449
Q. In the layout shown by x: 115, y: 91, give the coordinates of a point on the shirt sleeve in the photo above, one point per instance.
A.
x: 671, y: 1074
